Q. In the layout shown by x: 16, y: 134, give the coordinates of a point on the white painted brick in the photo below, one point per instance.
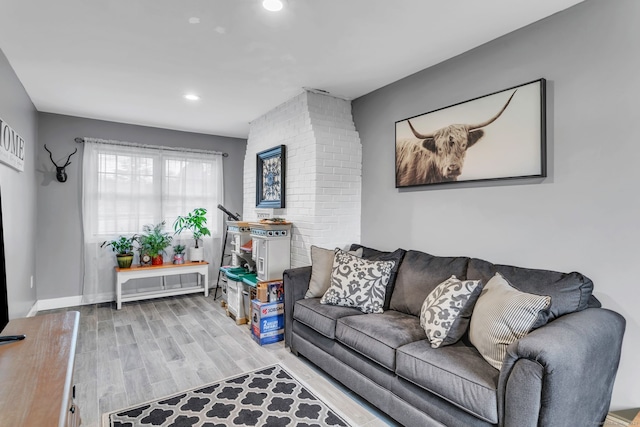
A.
x: 324, y: 167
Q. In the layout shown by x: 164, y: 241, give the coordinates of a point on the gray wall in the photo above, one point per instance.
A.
x: 19, y: 194
x: 584, y: 216
x: 59, y: 246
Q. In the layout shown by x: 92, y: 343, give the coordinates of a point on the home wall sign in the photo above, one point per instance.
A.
x: 496, y: 136
x: 12, y: 147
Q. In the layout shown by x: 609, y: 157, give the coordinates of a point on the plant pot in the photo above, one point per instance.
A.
x: 178, y: 259
x: 124, y: 260
x: 157, y: 260
x: 196, y: 254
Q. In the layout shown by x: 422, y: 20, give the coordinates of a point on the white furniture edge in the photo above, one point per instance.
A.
x: 123, y: 275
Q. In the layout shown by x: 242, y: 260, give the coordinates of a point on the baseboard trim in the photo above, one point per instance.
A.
x: 34, y: 310
x: 74, y: 301
x: 53, y: 303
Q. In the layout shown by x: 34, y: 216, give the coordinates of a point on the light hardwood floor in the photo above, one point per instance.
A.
x: 150, y: 349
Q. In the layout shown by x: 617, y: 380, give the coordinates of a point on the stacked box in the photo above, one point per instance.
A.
x: 267, y: 321
x: 271, y: 291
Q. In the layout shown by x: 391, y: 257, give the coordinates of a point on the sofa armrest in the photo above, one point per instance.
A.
x: 296, y: 283
x: 562, y: 373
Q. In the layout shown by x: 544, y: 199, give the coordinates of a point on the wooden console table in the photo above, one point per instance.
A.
x: 166, y: 269
x: 37, y: 373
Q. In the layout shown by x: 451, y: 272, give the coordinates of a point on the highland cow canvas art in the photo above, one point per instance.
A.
x: 496, y: 136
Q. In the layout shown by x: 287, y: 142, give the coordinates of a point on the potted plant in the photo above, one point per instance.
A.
x: 178, y: 254
x: 196, y: 221
x: 123, y: 247
x: 153, y: 242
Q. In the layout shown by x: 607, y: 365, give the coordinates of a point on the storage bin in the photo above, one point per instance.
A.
x: 235, y: 305
x: 246, y: 301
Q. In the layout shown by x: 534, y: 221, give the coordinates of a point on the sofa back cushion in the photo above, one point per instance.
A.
x: 569, y: 292
x: 376, y: 255
x: 419, y: 274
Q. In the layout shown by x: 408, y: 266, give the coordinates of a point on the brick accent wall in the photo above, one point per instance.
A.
x: 324, y: 171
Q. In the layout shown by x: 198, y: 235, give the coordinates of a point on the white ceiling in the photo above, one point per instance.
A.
x: 131, y: 61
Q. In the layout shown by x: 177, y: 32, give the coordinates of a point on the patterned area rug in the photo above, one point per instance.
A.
x: 269, y: 397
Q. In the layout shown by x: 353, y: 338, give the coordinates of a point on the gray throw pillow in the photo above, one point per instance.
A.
x: 321, y: 266
x: 503, y: 315
x: 356, y: 282
x: 447, y: 309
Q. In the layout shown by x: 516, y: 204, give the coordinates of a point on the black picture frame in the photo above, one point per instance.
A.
x: 509, y: 127
x: 271, y: 170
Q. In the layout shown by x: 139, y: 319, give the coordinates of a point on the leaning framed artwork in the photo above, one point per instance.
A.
x: 497, y: 136
x: 270, y: 176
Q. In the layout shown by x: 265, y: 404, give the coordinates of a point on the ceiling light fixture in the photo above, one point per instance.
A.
x: 272, y: 5
x: 192, y: 97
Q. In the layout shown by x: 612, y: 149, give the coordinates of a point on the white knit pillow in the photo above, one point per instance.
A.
x: 502, y: 316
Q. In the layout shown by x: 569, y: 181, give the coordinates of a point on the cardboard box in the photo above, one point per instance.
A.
x: 271, y: 291
x: 267, y: 321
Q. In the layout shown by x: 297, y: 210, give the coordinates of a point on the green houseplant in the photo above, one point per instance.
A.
x: 178, y: 254
x: 123, y: 247
x: 153, y: 242
x: 196, y: 221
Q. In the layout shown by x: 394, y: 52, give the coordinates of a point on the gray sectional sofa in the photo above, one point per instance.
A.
x: 560, y: 374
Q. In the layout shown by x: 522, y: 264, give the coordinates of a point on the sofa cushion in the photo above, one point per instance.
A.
x: 321, y: 267
x: 569, y: 292
x: 357, y: 282
x: 321, y: 317
x: 375, y: 255
x: 447, y: 310
x: 377, y: 336
x: 502, y: 316
x: 418, y: 275
x: 456, y: 373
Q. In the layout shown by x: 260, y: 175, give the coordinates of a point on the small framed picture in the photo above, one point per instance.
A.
x: 270, y: 176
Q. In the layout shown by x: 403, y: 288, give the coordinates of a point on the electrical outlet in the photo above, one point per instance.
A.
x: 32, y: 282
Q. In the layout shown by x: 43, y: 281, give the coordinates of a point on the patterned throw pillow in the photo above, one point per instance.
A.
x: 357, y: 282
x: 447, y: 309
x: 502, y: 316
x: 321, y: 267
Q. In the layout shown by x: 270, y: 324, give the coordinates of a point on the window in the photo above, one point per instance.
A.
x: 126, y: 187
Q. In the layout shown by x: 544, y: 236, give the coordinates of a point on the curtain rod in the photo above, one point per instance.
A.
x: 156, y: 147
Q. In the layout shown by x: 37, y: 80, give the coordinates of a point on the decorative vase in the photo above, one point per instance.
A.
x: 124, y: 260
x: 178, y: 258
x: 157, y: 260
x: 196, y: 254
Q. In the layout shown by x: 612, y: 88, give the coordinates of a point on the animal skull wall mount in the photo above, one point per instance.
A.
x: 61, y: 173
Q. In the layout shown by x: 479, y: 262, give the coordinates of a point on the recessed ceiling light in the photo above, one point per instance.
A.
x: 192, y: 97
x: 272, y: 5
x: 194, y: 20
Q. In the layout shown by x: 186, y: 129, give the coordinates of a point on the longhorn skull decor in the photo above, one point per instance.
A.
x: 61, y: 173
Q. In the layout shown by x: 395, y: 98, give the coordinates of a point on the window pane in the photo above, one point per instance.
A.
x: 137, y: 186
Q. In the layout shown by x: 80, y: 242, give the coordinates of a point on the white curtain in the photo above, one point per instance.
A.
x: 126, y: 186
